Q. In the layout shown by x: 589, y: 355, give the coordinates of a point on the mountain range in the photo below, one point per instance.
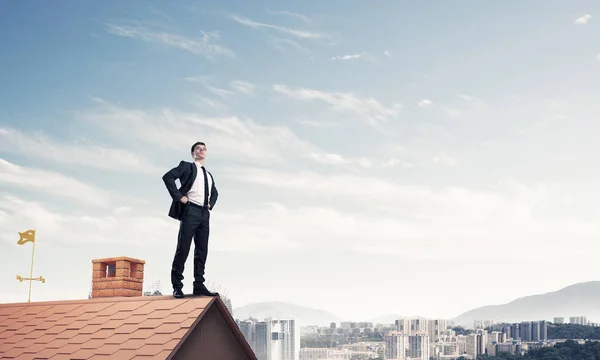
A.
x: 580, y: 299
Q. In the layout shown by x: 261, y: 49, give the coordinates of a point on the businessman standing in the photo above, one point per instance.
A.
x: 191, y: 205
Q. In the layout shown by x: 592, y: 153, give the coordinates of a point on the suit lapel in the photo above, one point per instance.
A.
x: 194, y: 174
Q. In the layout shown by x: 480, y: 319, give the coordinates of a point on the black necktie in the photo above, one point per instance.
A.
x: 205, y: 187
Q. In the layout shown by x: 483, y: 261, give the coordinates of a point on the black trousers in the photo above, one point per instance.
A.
x: 194, y: 224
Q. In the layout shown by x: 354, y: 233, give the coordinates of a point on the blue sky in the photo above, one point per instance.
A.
x: 397, y: 146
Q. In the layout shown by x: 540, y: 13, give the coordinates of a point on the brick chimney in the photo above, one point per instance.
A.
x: 117, y: 276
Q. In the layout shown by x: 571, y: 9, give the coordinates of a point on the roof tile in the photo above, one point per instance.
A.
x: 82, y: 354
x: 124, y: 354
x: 141, y: 334
x: 57, y: 343
x: 46, y: 353
x: 117, y: 339
x: 150, y: 350
x: 132, y: 344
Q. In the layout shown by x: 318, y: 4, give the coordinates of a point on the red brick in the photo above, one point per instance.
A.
x: 99, y: 285
x: 122, y: 272
x: 134, y: 286
x: 127, y: 292
x: 103, y: 293
x: 122, y: 264
x: 99, y: 266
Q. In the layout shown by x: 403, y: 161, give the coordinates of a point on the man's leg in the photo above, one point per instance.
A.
x: 200, y: 254
x: 187, y: 227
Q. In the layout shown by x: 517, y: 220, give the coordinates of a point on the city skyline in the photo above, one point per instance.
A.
x: 423, y: 156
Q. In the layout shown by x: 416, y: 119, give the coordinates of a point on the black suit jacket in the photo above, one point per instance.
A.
x: 186, y: 173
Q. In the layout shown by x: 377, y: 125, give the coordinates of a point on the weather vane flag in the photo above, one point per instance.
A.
x: 25, y: 237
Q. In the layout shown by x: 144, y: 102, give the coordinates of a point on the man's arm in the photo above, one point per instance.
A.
x: 214, y: 194
x: 169, y: 180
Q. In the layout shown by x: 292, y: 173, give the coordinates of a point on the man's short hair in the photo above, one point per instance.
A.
x: 196, y: 144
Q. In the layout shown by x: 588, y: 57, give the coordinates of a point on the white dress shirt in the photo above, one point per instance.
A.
x: 196, y: 193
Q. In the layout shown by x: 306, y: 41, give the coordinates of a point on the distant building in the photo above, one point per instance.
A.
x: 272, y: 339
x: 399, y: 345
x: 559, y: 320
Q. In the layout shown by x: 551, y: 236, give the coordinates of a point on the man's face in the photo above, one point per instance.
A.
x: 199, y: 152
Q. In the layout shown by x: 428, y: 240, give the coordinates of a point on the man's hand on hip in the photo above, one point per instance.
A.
x: 184, y: 199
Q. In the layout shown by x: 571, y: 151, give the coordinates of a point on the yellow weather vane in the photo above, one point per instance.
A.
x: 26, y: 237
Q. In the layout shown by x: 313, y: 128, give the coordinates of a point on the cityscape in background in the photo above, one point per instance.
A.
x: 413, y: 338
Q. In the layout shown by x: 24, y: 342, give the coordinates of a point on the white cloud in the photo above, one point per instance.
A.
x: 51, y: 182
x: 211, y: 103
x: 243, y: 87
x: 325, y: 158
x: 61, y: 227
x: 140, y: 227
x: 425, y: 103
x: 89, y: 155
x: 283, y: 45
x: 395, y: 162
x: 370, y: 110
x: 303, y: 34
x: 337, y: 159
x: 237, y: 86
x: 473, y: 99
x: 387, y: 53
x: 291, y: 14
x: 349, y: 57
x: 317, y: 124
x: 199, y: 46
x: 228, y: 138
x: 445, y: 160
x: 583, y: 20
x: 488, y: 223
x: 218, y: 91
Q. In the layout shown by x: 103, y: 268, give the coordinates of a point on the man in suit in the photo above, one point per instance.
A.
x: 192, y: 204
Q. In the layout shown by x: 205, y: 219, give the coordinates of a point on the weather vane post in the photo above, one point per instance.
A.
x: 25, y: 237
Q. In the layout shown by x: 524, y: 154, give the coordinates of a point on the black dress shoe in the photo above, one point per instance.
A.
x: 202, y: 290
x: 178, y: 293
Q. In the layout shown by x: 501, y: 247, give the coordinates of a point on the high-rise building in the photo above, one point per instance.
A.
x: 435, y: 329
x: 515, y: 332
x: 413, y: 325
x: 535, y: 331
x: 525, y: 330
x: 395, y: 346
x: 272, y: 339
x: 418, y: 346
x: 248, y: 329
x: 471, y: 343
x: 579, y: 320
x: 482, y: 340
x: 543, y: 330
x: 285, y: 340
x: 262, y: 340
x: 559, y: 320
x: 403, y: 325
x: 403, y: 346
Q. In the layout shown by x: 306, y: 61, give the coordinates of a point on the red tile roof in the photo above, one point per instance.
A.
x: 149, y: 327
